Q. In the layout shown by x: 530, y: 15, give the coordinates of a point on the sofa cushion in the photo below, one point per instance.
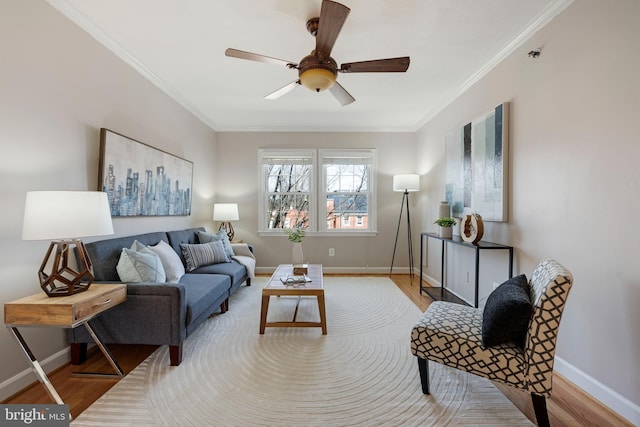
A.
x: 105, y: 254
x: 140, y: 264
x: 203, y: 290
x: 203, y: 254
x: 220, y: 236
x: 236, y: 271
x: 171, y: 262
x: 507, y: 313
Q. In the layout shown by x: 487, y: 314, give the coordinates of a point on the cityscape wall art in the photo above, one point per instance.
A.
x: 141, y: 180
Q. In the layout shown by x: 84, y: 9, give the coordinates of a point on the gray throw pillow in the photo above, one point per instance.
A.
x: 204, y: 237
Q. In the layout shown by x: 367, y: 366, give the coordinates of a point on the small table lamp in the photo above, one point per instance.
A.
x: 64, y: 217
x: 226, y: 212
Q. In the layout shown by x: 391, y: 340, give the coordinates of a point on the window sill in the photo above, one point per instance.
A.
x: 322, y: 234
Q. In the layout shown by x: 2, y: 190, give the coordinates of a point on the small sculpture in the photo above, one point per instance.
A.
x: 472, y: 228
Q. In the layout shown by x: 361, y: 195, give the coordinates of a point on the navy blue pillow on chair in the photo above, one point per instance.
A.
x: 507, y: 313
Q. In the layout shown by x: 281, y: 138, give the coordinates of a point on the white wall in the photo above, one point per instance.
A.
x: 58, y: 87
x: 574, y: 150
x: 237, y: 181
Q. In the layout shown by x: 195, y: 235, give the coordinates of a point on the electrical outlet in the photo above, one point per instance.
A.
x: 332, y: 252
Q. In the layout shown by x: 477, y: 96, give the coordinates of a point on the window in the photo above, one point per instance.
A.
x: 346, y: 192
x: 319, y: 190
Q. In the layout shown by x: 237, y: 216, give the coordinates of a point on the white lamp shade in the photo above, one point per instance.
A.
x: 225, y: 212
x: 407, y: 182
x: 55, y: 215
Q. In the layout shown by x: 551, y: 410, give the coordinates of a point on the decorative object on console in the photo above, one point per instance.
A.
x: 445, y: 225
x: 407, y: 183
x: 141, y: 180
x: 64, y: 217
x: 444, y: 209
x: 477, y: 165
x: 225, y: 213
x: 472, y: 228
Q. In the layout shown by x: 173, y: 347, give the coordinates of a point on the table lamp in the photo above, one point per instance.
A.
x: 226, y: 212
x: 64, y: 217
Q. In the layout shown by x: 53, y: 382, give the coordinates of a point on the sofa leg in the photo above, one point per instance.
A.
x: 248, y: 282
x: 175, y: 354
x: 423, y: 367
x: 540, y: 408
x: 78, y: 353
x: 224, y: 307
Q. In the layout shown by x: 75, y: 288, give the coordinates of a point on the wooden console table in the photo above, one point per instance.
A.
x: 63, y: 312
x: 443, y: 294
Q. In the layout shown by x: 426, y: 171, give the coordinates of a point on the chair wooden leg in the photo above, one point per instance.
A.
x: 540, y: 408
x: 423, y: 367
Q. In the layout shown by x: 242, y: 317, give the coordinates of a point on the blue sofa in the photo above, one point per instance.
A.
x: 157, y: 313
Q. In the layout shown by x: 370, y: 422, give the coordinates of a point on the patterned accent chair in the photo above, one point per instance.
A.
x: 451, y: 334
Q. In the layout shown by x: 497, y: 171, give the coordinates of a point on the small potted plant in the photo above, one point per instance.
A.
x: 445, y: 224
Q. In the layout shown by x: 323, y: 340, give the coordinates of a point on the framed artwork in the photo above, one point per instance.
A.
x: 476, y: 166
x: 141, y: 180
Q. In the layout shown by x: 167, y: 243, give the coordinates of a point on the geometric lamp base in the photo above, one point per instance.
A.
x: 62, y: 280
x: 226, y: 226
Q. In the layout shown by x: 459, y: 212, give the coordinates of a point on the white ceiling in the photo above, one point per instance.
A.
x: 179, y: 45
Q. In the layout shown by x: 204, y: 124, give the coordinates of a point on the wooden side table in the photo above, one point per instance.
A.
x: 63, y: 312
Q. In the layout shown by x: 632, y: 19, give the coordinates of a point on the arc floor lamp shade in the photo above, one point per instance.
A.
x: 64, y: 217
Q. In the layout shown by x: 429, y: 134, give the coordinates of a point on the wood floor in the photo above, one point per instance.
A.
x: 568, y: 406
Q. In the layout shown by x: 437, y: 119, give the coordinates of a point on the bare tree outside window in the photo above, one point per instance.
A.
x: 288, y: 190
x: 347, y: 188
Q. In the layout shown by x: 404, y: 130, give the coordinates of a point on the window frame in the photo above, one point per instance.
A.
x: 317, y: 193
x: 371, y: 159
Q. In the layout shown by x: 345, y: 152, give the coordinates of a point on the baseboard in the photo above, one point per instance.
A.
x: 608, y: 397
x: 23, y: 379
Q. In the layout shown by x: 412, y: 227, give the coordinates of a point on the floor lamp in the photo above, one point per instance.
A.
x: 407, y: 183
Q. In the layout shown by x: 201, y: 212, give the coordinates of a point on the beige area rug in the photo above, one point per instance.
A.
x: 361, y: 374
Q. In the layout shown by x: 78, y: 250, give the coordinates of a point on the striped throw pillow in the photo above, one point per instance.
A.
x: 203, y: 254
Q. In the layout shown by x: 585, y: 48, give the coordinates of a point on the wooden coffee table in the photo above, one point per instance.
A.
x: 312, y: 288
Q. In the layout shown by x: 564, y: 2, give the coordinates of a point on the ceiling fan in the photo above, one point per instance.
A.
x: 318, y: 70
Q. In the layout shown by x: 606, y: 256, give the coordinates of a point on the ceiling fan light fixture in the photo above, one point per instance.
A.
x: 317, y: 79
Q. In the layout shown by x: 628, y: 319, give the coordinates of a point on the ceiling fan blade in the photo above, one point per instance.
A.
x: 283, y: 90
x: 341, y: 94
x: 332, y: 17
x: 235, y: 53
x: 389, y: 65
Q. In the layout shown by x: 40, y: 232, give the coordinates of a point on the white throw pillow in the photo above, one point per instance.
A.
x: 140, y: 264
x: 173, y: 267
